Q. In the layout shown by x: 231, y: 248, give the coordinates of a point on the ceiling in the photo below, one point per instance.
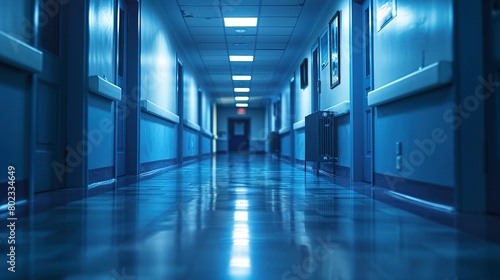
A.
x: 280, y: 36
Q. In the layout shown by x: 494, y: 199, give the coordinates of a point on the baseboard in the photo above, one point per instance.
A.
x: 101, y: 174
x: 425, y: 191
x: 154, y: 165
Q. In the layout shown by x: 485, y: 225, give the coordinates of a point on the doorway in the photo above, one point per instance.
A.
x: 238, y: 135
x: 121, y: 78
x: 48, y: 105
x: 492, y: 105
x: 315, y: 83
x: 180, y: 110
x: 367, y: 87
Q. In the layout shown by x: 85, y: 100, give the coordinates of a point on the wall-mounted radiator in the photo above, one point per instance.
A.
x: 320, y: 138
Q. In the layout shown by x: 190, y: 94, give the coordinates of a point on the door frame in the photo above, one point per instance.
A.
x: 230, y: 129
x: 492, y: 115
x: 122, y: 83
x: 358, y: 96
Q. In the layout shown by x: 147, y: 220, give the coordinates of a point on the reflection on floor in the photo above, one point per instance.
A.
x: 241, y: 217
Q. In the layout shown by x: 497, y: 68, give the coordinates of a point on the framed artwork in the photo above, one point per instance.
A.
x: 386, y: 11
x: 323, y: 48
x: 303, y: 74
x: 334, y: 28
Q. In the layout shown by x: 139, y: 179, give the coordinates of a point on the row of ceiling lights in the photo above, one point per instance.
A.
x: 241, y: 22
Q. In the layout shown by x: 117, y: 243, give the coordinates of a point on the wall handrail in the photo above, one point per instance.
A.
x: 155, y: 110
x: 19, y: 54
x: 340, y: 109
x: 433, y: 76
x: 192, y: 125
x: 105, y: 88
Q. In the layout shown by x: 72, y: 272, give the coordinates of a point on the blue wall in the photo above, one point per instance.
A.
x: 419, y: 27
x: 15, y: 98
x: 159, y: 53
x: 329, y: 97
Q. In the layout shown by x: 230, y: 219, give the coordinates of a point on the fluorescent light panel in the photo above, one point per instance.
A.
x: 241, y: 105
x: 241, y: 89
x: 241, y: 98
x: 241, y: 58
x: 240, y: 22
x: 241, y: 78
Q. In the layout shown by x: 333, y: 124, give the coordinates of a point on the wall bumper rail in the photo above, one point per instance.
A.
x: 433, y: 76
x: 101, y: 86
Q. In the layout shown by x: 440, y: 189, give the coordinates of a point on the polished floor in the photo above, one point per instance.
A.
x: 242, y: 217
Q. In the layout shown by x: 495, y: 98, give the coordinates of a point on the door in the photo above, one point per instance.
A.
x: 367, y: 87
x: 121, y: 79
x: 493, y: 117
x: 180, y: 110
x: 239, y: 135
x: 315, y: 83
x: 49, y: 156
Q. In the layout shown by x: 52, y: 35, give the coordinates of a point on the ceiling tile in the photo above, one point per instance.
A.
x: 198, y: 31
x: 215, y: 62
x: 197, y: 2
x: 249, y: 31
x: 238, y: 2
x: 273, y: 39
x: 213, y: 52
x: 241, y: 68
x: 218, y: 68
x: 261, y: 53
x: 222, y: 58
x: 277, y: 21
x: 209, y: 39
x: 282, y: 2
x: 240, y: 11
x: 201, y: 11
x: 280, y: 11
x: 275, y: 31
x: 195, y: 21
x: 271, y: 46
x: 211, y: 46
x: 240, y: 46
x: 241, y: 39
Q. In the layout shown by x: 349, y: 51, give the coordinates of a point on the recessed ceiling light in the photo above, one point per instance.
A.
x: 241, y: 58
x: 241, y: 78
x: 240, y: 30
x: 241, y: 98
x: 240, y: 44
x: 240, y: 22
x: 241, y: 89
x: 241, y: 105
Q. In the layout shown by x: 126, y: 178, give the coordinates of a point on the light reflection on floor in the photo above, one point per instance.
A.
x: 242, y: 217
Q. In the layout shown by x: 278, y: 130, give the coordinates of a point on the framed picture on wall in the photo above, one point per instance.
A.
x: 334, y: 28
x: 323, y: 48
x: 303, y: 74
x: 386, y: 11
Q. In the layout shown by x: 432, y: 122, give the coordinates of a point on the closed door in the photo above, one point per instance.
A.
x: 49, y: 155
x: 367, y: 87
x: 493, y: 116
x: 121, y: 73
x: 315, y: 89
x: 239, y: 135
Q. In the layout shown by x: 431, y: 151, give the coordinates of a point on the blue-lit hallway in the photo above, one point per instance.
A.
x: 243, y: 217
